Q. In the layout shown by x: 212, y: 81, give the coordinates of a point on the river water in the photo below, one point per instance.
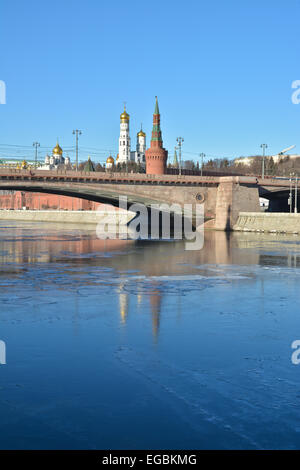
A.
x: 124, y: 345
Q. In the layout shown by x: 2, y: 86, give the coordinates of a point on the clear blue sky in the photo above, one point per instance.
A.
x: 222, y: 71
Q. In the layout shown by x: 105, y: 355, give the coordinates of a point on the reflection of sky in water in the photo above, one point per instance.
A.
x: 116, y: 344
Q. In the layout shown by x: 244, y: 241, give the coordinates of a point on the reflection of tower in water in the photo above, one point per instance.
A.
x: 155, y: 302
x: 139, y: 297
x: 123, y: 303
x: 155, y: 297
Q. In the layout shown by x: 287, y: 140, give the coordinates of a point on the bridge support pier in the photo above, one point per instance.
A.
x: 232, y: 198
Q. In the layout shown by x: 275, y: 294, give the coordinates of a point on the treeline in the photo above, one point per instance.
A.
x: 130, y: 167
x: 283, y: 167
x: 217, y: 165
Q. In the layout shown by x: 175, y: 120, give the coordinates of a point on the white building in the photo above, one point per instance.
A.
x: 139, y: 155
x: 125, y: 154
x: 56, y: 160
x: 247, y: 161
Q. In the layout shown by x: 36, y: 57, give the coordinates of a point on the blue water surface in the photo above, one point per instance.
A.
x: 124, y: 345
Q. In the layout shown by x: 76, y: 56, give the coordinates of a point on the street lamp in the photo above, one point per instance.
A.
x: 263, y: 146
x: 36, y: 145
x: 296, y: 195
x: 180, y: 140
x: 77, y: 132
x: 291, y: 193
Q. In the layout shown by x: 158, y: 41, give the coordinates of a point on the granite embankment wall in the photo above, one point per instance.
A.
x: 280, y: 222
x: 72, y: 217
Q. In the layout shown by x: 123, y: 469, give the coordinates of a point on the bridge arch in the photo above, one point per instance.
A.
x: 104, y: 199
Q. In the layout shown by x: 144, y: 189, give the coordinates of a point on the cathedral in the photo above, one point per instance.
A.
x: 56, y: 160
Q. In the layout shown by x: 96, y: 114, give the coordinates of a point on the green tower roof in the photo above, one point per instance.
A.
x: 156, y: 111
x: 89, y: 166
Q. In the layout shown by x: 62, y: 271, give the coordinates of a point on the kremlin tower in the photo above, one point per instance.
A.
x: 156, y: 155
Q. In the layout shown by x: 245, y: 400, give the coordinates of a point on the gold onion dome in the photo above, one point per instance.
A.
x: 110, y: 159
x: 124, y: 116
x: 141, y: 133
x: 57, y: 150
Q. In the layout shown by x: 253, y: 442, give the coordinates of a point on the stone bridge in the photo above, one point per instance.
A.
x: 223, y: 197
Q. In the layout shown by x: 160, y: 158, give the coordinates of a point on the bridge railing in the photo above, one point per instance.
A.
x: 108, y: 175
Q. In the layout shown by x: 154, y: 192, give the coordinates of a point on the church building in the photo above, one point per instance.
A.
x: 56, y: 160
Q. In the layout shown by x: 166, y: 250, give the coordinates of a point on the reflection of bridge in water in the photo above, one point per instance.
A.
x: 223, y: 197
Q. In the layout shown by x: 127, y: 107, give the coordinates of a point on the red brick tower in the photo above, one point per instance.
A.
x: 156, y: 155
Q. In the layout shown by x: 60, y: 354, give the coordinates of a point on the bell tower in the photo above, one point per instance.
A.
x: 124, y: 139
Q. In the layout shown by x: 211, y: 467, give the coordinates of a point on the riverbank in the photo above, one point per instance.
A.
x: 70, y: 217
x: 273, y: 222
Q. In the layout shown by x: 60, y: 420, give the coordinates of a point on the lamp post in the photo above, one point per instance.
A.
x: 77, y: 132
x: 180, y: 140
x: 296, y: 195
x: 36, y: 145
x: 291, y: 193
x: 263, y: 146
x: 202, y: 155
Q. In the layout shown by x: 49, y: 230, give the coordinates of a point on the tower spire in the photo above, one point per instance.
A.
x: 156, y: 131
x: 156, y: 111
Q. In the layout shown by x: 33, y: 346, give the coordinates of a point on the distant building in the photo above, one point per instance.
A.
x: 56, y: 160
x: 110, y: 163
x: 125, y: 154
x: 139, y: 155
x: 16, y: 164
x: 247, y: 161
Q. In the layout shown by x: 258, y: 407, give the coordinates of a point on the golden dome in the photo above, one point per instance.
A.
x: 124, y: 116
x: 110, y: 159
x: 141, y: 133
x: 117, y: 157
x: 57, y: 150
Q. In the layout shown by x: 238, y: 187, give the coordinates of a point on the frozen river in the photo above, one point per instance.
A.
x: 127, y: 345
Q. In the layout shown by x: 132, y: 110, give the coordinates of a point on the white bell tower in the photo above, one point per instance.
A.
x: 141, y: 147
x: 124, y: 140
